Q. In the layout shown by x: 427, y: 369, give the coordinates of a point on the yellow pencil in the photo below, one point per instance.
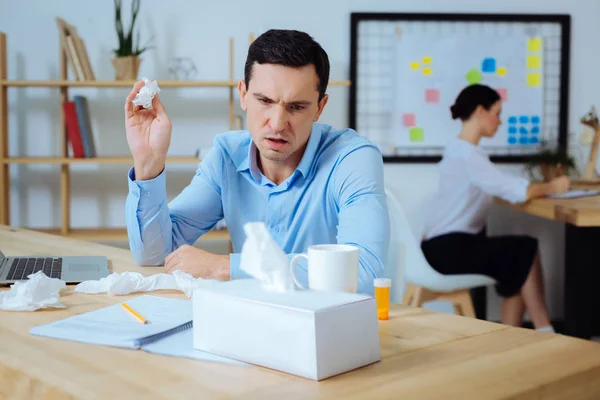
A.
x: 135, y: 314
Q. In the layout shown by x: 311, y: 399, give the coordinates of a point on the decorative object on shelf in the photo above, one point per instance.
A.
x: 127, y: 61
x: 182, y: 69
x: 591, y: 137
x: 549, y: 163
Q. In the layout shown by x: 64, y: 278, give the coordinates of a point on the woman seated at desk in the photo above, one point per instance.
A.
x: 454, y: 240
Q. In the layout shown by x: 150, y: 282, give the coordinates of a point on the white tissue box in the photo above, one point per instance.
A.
x: 311, y: 334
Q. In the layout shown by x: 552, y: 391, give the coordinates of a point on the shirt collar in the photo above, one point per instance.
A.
x: 250, y: 162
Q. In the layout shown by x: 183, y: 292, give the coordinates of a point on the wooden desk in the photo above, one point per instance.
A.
x: 425, y: 355
x: 582, y: 241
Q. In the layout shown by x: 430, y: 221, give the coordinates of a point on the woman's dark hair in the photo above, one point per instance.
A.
x: 471, y: 97
x: 289, y: 48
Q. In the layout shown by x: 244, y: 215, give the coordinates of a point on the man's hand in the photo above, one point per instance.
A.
x: 148, y: 135
x: 198, y: 263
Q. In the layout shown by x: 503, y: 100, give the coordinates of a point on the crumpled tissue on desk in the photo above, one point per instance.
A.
x: 38, y: 291
x: 130, y: 282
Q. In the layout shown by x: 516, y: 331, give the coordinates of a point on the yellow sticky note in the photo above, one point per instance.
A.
x: 415, y: 65
x: 534, y: 79
x: 426, y: 60
x: 502, y: 71
x: 534, y: 44
x: 426, y: 71
x: 534, y: 61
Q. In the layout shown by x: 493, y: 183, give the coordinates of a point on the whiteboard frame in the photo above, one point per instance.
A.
x: 564, y: 20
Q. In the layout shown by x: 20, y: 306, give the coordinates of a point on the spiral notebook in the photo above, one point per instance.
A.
x: 168, y: 331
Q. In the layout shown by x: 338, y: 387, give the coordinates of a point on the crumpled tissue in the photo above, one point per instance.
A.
x: 130, y: 282
x: 263, y: 259
x: 146, y: 94
x: 38, y: 291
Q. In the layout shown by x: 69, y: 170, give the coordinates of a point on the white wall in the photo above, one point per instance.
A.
x: 201, y: 30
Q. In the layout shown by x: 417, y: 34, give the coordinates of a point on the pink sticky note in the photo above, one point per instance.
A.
x: 432, y: 96
x: 409, y: 120
x: 503, y: 94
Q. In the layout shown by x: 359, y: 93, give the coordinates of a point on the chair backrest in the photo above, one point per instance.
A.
x: 406, y: 262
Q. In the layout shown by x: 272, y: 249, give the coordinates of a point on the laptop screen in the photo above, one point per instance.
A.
x: 2, y: 258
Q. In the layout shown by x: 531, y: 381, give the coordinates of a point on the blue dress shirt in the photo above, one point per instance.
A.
x: 335, y: 195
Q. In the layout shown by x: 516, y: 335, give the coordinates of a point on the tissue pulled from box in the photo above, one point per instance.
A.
x: 38, y: 291
x: 131, y: 282
x: 264, y: 260
x: 146, y: 94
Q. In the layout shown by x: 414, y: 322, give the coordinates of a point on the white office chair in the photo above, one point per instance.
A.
x: 418, y: 281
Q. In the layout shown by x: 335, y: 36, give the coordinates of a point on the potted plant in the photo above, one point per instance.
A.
x: 127, y: 61
x: 550, y: 163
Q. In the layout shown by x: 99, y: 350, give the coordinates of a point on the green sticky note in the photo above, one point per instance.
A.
x: 473, y: 76
x: 416, y: 134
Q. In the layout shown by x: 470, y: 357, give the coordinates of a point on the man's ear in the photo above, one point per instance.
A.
x: 322, y: 104
x: 243, y: 92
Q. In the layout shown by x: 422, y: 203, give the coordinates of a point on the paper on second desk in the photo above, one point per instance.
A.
x: 571, y: 194
x: 114, y: 326
x: 131, y: 282
x: 181, y: 345
x: 38, y: 291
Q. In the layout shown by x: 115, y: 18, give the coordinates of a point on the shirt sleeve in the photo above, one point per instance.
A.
x: 156, y: 228
x: 495, y: 182
x: 363, y: 219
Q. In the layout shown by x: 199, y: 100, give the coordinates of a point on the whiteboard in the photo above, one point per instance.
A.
x: 407, y: 69
x: 431, y: 71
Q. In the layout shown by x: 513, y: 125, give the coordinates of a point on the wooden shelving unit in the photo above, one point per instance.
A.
x: 63, y: 159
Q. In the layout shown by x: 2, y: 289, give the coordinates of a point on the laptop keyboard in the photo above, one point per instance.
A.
x: 24, y: 266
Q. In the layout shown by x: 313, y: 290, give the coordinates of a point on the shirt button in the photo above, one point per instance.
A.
x: 147, y: 193
x: 276, y: 229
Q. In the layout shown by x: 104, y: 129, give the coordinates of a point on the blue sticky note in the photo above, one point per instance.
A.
x: 512, y: 120
x: 533, y: 140
x: 523, y: 119
x: 535, y: 119
x: 523, y: 131
x: 512, y: 130
x: 523, y: 140
x: 488, y: 65
x: 535, y: 130
x: 512, y: 140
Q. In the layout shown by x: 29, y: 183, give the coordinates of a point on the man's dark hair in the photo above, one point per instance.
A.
x: 289, y: 48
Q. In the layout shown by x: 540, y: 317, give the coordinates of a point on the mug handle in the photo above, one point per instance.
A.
x: 293, y: 269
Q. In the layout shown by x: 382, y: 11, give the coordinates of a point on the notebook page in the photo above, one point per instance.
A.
x: 114, y: 326
x: 181, y: 345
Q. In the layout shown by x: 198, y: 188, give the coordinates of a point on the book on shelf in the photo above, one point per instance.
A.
x: 79, y: 127
x: 73, y: 130
x: 75, y: 50
x: 85, y: 125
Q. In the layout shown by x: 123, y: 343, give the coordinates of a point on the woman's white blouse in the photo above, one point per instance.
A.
x: 468, y: 183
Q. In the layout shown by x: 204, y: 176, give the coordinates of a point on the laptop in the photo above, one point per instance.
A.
x: 68, y: 269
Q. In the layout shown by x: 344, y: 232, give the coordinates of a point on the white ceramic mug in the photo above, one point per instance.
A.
x: 331, y: 267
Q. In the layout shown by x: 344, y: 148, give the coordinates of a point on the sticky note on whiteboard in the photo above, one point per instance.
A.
x: 427, y: 71
x: 416, y: 134
x: 415, y: 65
x: 534, y: 44
x: 534, y: 79
x: 409, y: 120
x: 432, y: 96
x: 426, y: 60
x: 534, y: 62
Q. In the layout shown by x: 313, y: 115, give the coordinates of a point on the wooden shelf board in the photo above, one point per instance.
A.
x: 128, y: 84
x: 117, y: 234
x: 91, y: 160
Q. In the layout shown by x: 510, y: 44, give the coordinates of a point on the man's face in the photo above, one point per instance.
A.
x: 281, y: 103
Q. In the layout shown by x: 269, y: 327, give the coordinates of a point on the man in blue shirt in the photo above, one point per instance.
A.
x: 309, y: 183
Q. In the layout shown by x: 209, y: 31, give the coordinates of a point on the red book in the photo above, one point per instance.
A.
x: 73, y: 130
